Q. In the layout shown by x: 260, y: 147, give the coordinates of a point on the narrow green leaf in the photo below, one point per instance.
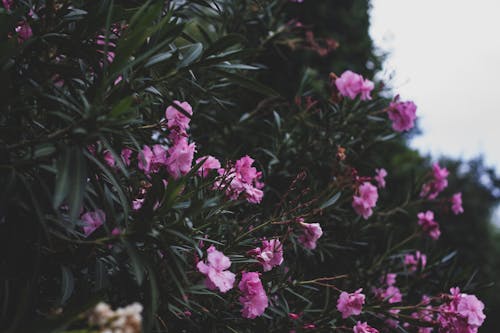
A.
x: 63, y: 178
x: 224, y: 43
x: 331, y: 201
x: 190, y: 53
x: 67, y: 284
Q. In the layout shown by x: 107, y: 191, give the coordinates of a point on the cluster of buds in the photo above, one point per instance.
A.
x: 123, y: 320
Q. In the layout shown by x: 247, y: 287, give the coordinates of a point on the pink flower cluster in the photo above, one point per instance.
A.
x: 424, y: 315
x: 24, y: 31
x: 215, y: 270
x: 459, y: 313
x: 431, y: 189
x: 365, y: 200
x: 363, y: 328
x: 241, y: 180
x: 390, y: 293
x: 351, y: 84
x: 415, y: 261
x: 350, y: 304
x: 270, y: 255
x: 463, y: 313
x: 178, y: 158
x: 125, y: 155
x: 456, y: 203
x: 380, y: 175
x: 178, y: 121
x: 429, y: 226
x: 311, y: 232
x: 110, y: 55
x: 402, y: 114
x: 254, y: 298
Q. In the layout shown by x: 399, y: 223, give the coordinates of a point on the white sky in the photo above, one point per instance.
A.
x: 445, y: 56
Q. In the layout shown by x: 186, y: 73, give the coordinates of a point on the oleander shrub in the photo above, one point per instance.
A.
x: 160, y: 161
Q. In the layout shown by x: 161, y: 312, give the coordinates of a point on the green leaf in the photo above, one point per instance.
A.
x: 224, y: 43
x: 141, y: 27
x: 190, y: 53
x: 75, y: 14
x: 136, y: 262
x: 247, y: 83
x: 67, y: 284
x: 159, y: 58
x: 122, y: 107
x: 331, y: 201
x: 43, y: 150
x: 63, y: 178
x: 78, y: 183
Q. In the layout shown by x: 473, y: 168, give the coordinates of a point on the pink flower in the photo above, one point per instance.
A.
x: 244, y: 168
x: 176, y: 120
x: 253, y: 194
x: 92, y: 221
x: 108, y: 158
x: 412, y: 261
x: 216, y: 272
x: 363, y: 328
x: 270, y: 255
x: 293, y: 316
x: 392, y: 295
x: 429, y: 226
x: 311, y: 232
x: 440, y: 177
x: 137, y: 204
x: 24, y: 31
x: 439, y: 182
x: 150, y: 160
x: 471, y: 308
x: 390, y: 279
x: 351, y: 84
x: 456, y: 203
x: 350, y: 304
x: 8, y: 4
x: 211, y: 163
x: 125, y: 155
x: 180, y: 158
x: 366, y: 200
x: 402, y: 114
x: 380, y: 177
x: 254, y: 298
x: 243, y: 179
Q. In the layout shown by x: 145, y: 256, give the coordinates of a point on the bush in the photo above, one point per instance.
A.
x: 156, y: 154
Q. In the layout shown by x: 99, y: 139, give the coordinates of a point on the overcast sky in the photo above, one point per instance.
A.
x: 445, y: 55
